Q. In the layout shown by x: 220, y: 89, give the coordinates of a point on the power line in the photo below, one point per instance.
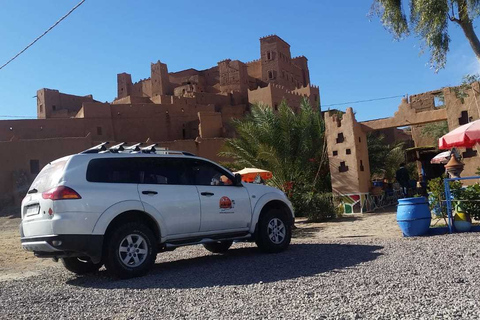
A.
x: 22, y: 117
x: 39, y: 37
x: 360, y: 101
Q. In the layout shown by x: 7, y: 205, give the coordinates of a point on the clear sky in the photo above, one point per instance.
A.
x: 351, y: 56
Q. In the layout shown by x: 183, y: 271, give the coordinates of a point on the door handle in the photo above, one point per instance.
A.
x: 149, y: 192
x: 207, y: 194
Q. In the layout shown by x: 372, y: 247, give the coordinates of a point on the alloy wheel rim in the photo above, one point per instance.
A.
x: 276, y: 231
x: 133, y: 250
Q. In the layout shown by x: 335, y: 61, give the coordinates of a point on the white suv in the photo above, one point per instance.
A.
x: 121, y: 206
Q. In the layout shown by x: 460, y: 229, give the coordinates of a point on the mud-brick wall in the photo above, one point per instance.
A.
x: 21, y: 157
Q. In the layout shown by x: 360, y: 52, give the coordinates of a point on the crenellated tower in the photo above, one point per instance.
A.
x: 279, y: 67
x: 160, y: 80
x: 233, y: 76
x: 124, y: 85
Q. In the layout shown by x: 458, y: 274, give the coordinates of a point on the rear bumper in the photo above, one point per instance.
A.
x: 61, y: 246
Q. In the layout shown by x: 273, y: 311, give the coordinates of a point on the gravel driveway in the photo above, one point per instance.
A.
x: 372, y: 278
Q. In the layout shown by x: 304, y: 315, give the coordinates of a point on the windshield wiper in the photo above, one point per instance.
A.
x: 32, y: 191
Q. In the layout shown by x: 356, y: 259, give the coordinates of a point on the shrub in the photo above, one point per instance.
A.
x: 314, y: 206
x: 470, y: 195
x: 436, y: 190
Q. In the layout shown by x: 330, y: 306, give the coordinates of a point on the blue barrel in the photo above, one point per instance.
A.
x: 413, y: 216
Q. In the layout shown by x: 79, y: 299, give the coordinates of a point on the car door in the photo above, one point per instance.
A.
x: 165, y: 186
x: 224, y: 206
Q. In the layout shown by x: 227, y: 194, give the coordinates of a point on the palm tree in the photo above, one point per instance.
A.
x: 384, y: 159
x: 290, y: 145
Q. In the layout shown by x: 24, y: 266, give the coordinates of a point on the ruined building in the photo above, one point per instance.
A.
x: 347, y: 138
x: 187, y: 110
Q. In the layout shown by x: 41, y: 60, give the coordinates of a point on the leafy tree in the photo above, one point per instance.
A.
x: 461, y: 92
x: 435, y: 130
x: 377, y: 153
x: 384, y: 159
x: 429, y: 20
x: 290, y: 145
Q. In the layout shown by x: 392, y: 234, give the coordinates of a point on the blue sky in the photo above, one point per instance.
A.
x: 351, y: 56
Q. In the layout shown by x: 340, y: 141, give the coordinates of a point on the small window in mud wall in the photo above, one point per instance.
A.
x: 464, y: 118
x: 271, y: 74
x: 40, y: 108
x: 362, y: 168
x: 34, y: 166
x: 335, y: 153
x: 439, y: 100
x: 99, y: 131
x: 275, y: 107
x: 54, y: 107
x: 343, y: 167
x: 348, y: 151
x: 340, y: 137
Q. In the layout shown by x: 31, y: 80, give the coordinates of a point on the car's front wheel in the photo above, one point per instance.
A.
x: 219, y: 246
x: 274, y: 231
x: 80, y: 265
x: 130, y: 250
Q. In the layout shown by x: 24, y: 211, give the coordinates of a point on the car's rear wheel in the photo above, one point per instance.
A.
x: 274, y: 231
x: 219, y: 246
x: 130, y: 250
x: 80, y: 265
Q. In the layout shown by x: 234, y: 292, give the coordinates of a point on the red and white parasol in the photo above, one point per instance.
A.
x: 441, y: 158
x: 465, y: 136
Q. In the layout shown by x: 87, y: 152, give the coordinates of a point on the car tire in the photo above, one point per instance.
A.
x: 219, y: 246
x: 80, y: 265
x: 130, y: 250
x: 274, y: 231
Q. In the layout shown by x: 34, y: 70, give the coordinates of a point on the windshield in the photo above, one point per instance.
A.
x: 50, y: 176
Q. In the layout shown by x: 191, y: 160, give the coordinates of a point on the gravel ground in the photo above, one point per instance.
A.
x: 407, y: 278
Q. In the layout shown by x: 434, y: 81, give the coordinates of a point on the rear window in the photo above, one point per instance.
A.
x: 114, y: 170
x: 50, y: 176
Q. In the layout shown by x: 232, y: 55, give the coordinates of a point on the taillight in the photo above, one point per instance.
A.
x: 61, y: 193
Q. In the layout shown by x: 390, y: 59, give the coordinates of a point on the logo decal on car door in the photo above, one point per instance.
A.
x: 226, y: 203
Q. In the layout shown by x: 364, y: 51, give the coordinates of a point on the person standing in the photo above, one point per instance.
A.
x: 403, y: 178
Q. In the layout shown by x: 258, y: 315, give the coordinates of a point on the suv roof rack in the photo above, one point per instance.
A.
x: 133, y: 149
x: 98, y: 148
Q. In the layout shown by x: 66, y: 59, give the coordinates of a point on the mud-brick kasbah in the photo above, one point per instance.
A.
x: 191, y: 110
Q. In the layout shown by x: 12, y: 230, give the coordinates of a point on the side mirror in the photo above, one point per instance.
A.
x: 238, y: 179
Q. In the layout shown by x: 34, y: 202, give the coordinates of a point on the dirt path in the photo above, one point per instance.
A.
x: 16, y: 263
x: 368, y: 225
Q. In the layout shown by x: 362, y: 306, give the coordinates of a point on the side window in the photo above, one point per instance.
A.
x: 114, y: 170
x: 207, y: 174
x: 163, y: 171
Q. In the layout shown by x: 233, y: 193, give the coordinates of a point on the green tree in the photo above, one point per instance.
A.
x: 429, y: 20
x: 291, y: 145
x: 435, y: 130
x: 384, y: 159
x: 377, y: 153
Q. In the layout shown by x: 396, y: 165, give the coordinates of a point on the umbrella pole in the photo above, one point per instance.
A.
x: 449, y: 204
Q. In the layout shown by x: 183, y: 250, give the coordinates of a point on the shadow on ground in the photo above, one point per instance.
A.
x: 242, y: 266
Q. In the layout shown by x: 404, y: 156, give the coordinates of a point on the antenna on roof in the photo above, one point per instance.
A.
x: 98, y: 148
